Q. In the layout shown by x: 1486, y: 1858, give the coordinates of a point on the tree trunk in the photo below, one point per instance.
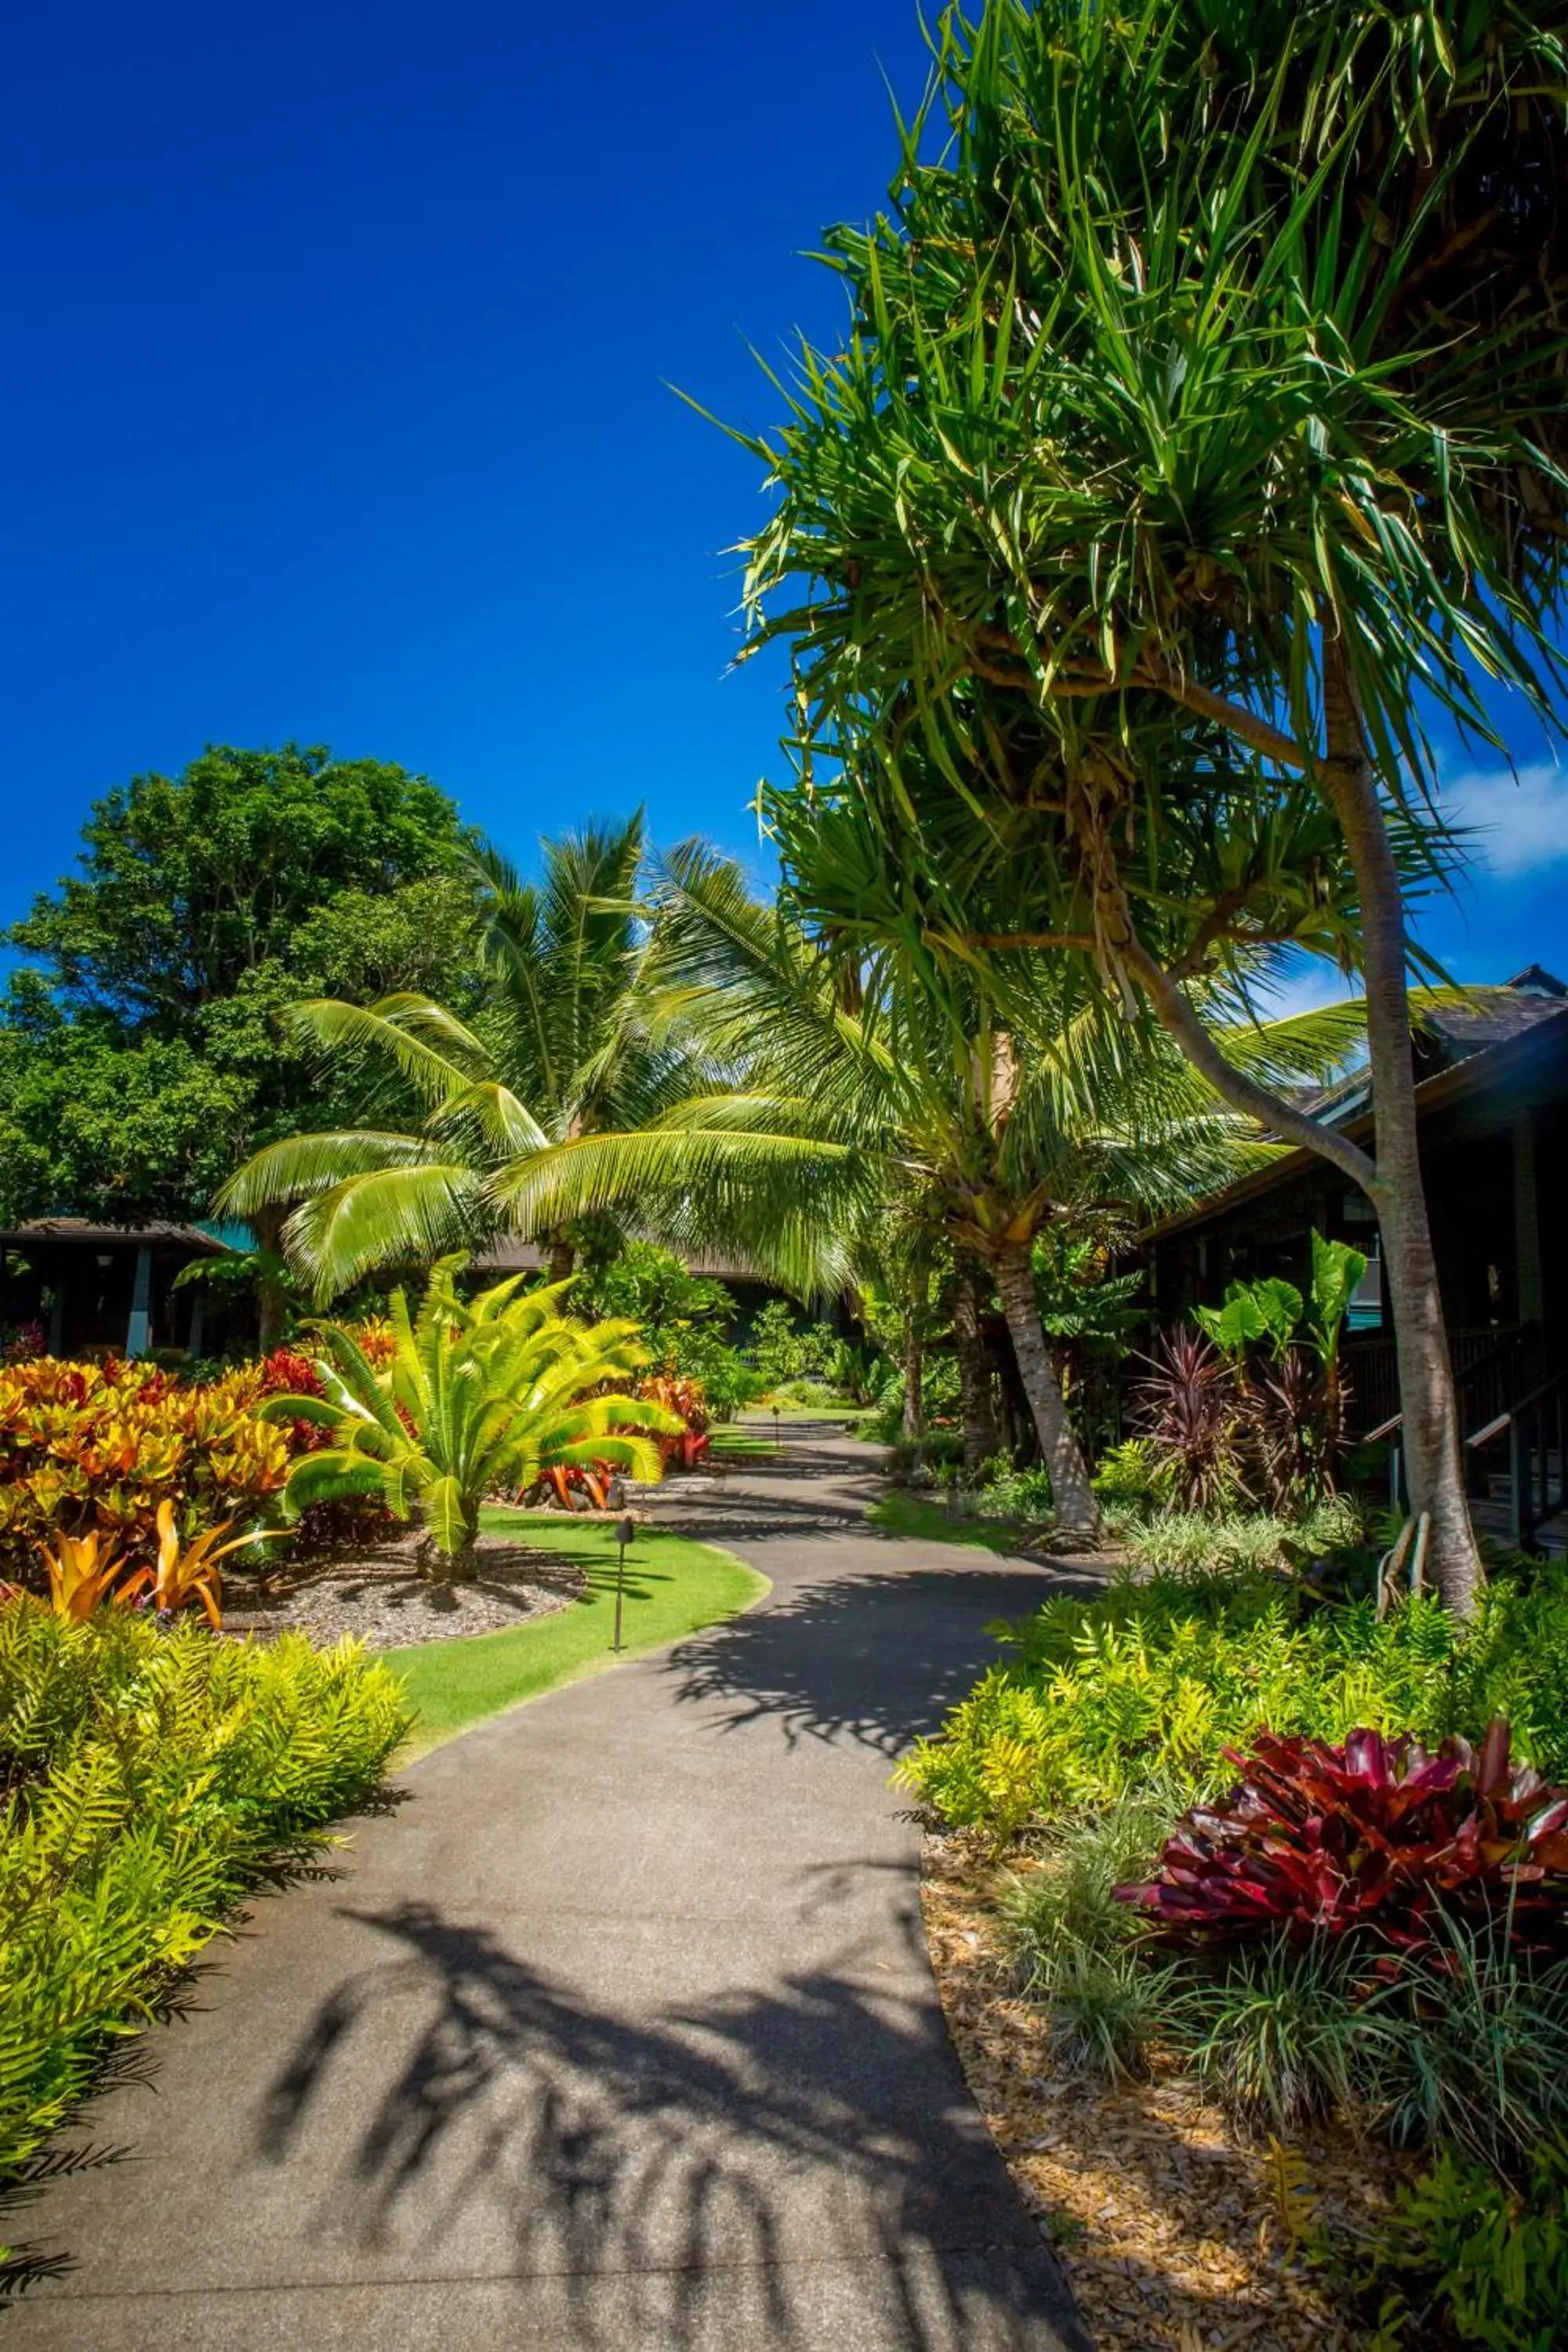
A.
x: 1393, y: 1181
x: 1431, y: 1426
x: 1077, y: 1513
x: 914, y: 1425
x: 562, y: 1258
x: 267, y: 1224
x: 980, y: 1437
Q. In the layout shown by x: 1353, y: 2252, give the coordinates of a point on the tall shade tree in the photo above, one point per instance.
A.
x: 934, y: 1102
x: 1198, y: 423
x: 139, y: 1056
x: 565, y: 1041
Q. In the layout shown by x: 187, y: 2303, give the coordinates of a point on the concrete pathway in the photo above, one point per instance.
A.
x: 617, y: 2033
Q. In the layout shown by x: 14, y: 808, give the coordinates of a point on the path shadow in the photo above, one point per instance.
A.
x: 875, y: 1658
x: 739, y: 2137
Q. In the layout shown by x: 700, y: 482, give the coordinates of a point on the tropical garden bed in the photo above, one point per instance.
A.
x: 149, y: 1777
x: 1232, y: 1876
x: 1174, y: 2230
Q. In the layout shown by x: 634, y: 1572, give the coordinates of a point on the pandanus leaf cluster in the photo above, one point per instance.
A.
x: 1375, y: 1838
x: 480, y: 1396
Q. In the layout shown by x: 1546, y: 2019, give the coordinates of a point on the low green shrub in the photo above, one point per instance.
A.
x: 1135, y: 1479
x: 1467, y: 2259
x: 811, y: 1393
x: 1017, y: 1494
x: 1163, y: 1676
x: 938, y: 1449
x: 148, y: 1779
x: 1185, y: 1542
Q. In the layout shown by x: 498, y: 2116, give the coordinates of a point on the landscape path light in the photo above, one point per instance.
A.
x: 624, y: 1534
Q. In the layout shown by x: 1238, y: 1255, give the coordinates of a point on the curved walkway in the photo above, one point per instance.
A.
x: 618, y: 2033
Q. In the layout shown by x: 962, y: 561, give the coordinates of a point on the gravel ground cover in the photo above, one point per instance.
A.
x: 386, y: 1598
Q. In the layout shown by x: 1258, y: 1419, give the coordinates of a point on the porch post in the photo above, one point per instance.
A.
x: 138, y: 1332
x: 1529, y: 1287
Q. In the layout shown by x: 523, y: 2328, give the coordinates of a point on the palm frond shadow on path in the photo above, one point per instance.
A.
x: 670, y: 2155
x: 621, y: 2035
x: 870, y: 1651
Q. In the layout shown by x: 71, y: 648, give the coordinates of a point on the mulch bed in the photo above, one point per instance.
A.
x: 1173, y: 2232
x: 384, y: 1596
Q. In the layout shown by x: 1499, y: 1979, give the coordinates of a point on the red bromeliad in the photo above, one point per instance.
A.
x: 1368, y: 1838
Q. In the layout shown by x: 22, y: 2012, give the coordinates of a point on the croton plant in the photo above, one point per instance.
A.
x: 1369, y: 1839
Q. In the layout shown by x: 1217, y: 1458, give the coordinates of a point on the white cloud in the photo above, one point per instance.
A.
x: 1520, y: 821
x: 1307, y: 989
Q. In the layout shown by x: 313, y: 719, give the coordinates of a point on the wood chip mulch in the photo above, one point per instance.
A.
x: 1173, y: 2232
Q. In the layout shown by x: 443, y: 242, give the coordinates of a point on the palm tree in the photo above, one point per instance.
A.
x: 481, y: 1396
x: 974, y: 1117
x: 1200, y: 414
x: 564, y: 1046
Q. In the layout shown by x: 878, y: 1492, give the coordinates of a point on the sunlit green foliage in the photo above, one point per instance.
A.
x: 149, y: 1777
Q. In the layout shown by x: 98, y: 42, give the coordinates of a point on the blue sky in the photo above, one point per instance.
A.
x: 341, y: 337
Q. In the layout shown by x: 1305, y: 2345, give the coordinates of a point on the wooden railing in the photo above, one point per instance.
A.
x: 1490, y: 1367
x: 1536, y: 1428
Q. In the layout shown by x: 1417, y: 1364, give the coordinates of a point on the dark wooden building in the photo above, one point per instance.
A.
x: 1492, y: 1104
x: 96, y: 1290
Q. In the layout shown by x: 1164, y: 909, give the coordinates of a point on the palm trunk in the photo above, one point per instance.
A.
x: 1431, y: 1424
x: 915, y: 1424
x: 562, y: 1258
x: 980, y: 1437
x: 1077, y: 1513
x: 267, y: 1224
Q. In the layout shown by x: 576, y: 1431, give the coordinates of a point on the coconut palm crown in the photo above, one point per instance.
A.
x: 564, y: 1046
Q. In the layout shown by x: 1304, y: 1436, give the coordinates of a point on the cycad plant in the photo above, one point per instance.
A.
x: 480, y: 1398
x: 564, y: 1046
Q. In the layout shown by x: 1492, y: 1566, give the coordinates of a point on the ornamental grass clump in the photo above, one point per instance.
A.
x: 148, y: 1777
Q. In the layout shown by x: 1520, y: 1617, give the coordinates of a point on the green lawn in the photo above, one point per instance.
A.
x: 757, y: 1416
x: 730, y: 1442
x: 673, y: 1587
x: 902, y: 1514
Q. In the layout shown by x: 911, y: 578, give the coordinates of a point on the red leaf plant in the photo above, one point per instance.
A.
x: 1370, y: 1838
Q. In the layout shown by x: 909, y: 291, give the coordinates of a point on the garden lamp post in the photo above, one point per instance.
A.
x: 777, y: 1438
x: 623, y: 1533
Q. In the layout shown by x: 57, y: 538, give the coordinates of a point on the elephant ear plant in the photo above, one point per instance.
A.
x: 480, y: 1396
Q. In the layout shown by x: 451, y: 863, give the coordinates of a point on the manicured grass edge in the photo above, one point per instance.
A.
x: 456, y: 1685
x: 917, y: 1518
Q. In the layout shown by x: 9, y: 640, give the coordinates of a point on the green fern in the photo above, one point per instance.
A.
x: 153, y: 1775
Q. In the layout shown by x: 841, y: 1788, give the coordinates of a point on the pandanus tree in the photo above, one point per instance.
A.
x: 563, y: 1045
x: 929, y: 1101
x: 479, y: 1399
x: 1198, y: 426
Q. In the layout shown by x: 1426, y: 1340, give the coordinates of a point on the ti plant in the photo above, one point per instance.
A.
x: 1258, y: 1406
x: 1373, y: 1839
x: 480, y: 1396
